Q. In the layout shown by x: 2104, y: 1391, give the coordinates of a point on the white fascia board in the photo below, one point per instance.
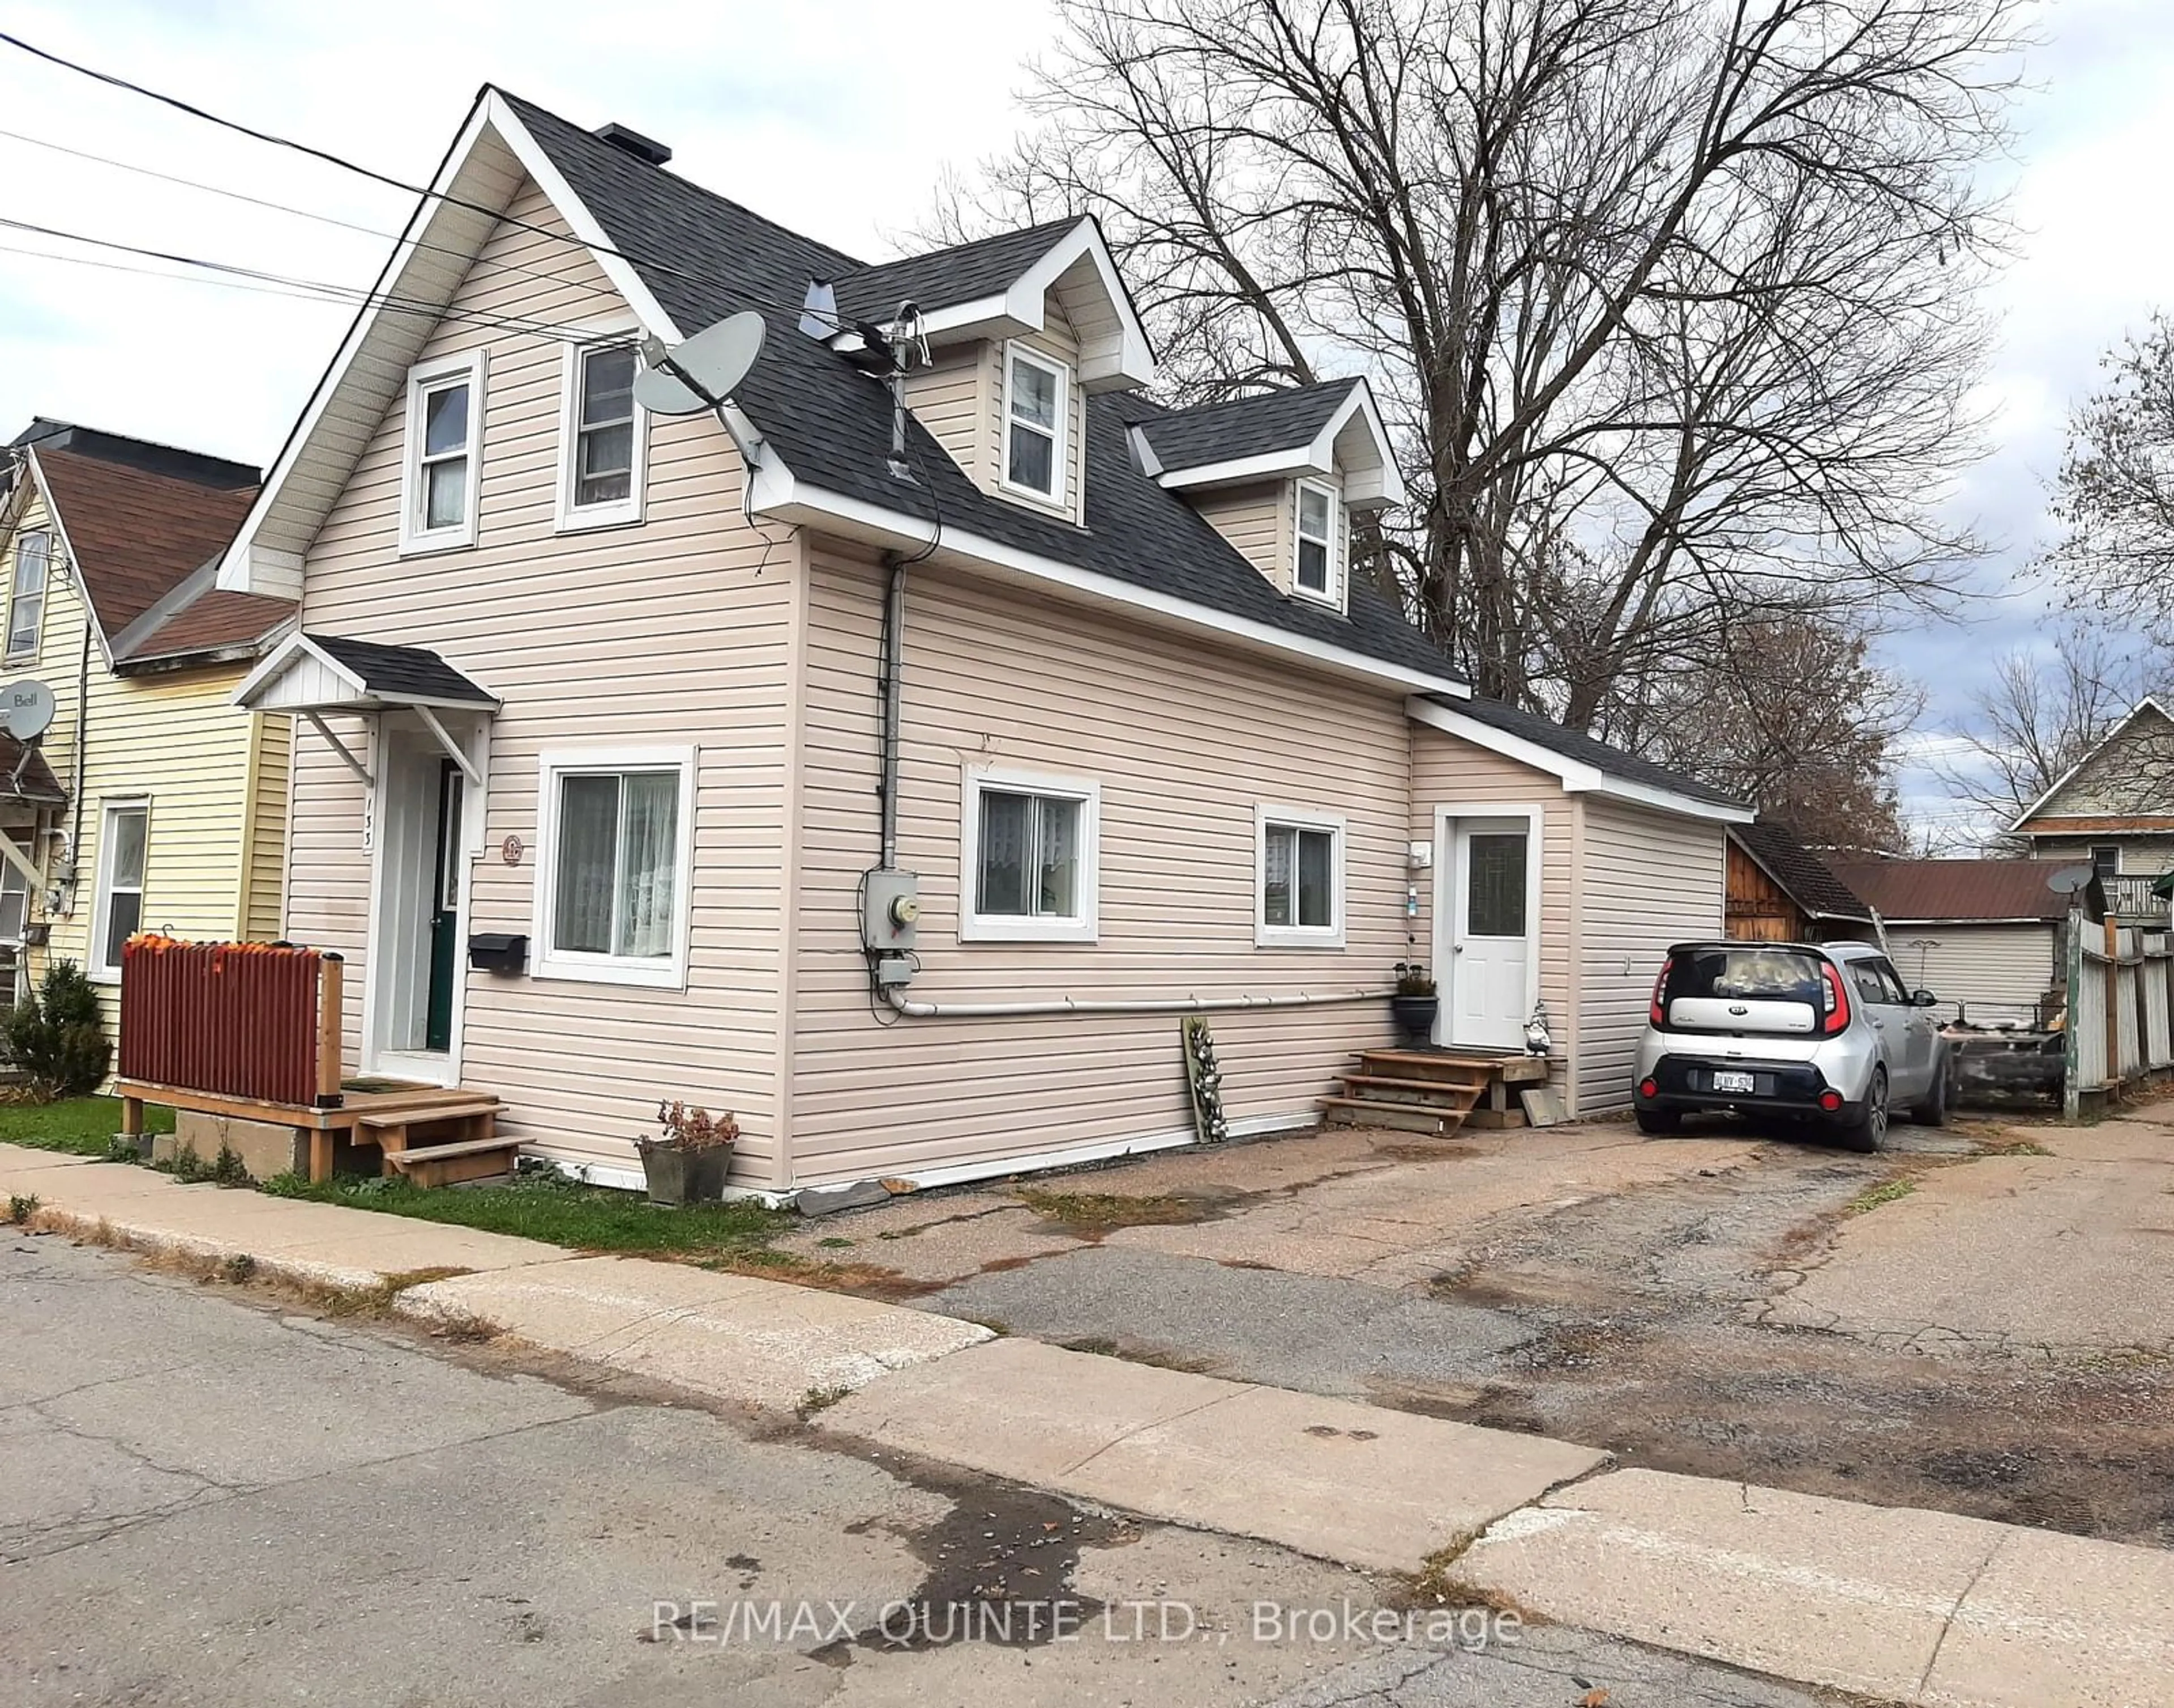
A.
x: 90, y: 616
x: 493, y: 118
x: 278, y: 660
x: 778, y: 495
x: 1361, y: 403
x: 2149, y: 703
x: 1576, y: 778
x: 1317, y: 456
x: 1266, y: 465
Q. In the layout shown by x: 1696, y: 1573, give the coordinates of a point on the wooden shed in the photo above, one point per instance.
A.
x: 1779, y: 891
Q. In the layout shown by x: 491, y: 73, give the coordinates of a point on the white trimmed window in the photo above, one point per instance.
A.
x: 1029, y: 865
x: 1298, y: 880
x: 26, y: 594
x: 1034, y: 409
x: 444, y: 455
x: 615, y: 859
x: 123, y: 850
x: 603, y: 438
x: 1318, y: 570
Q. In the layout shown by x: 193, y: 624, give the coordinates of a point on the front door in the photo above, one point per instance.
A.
x: 444, y: 913
x: 1490, y: 946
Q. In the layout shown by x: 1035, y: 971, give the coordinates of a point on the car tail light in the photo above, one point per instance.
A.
x: 1656, y: 1011
x: 1837, y: 1019
x: 1649, y: 1088
x: 1831, y: 1100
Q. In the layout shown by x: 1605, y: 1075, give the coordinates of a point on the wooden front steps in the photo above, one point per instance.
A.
x: 441, y: 1141
x: 1432, y: 1091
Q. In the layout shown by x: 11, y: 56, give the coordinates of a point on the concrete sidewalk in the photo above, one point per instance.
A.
x: 1906, y: 1606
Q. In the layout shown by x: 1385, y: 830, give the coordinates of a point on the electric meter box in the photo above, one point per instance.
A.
x: 890, y: 910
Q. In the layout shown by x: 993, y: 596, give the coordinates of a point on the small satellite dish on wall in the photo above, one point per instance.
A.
x: 695, y: 378
x: 2071, y: 879
x: 26, y: 709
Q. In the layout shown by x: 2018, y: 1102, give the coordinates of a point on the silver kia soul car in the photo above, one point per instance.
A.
x: 1825, y: 1033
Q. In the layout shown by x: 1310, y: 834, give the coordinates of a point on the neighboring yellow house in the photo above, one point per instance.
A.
x: 164, y: 808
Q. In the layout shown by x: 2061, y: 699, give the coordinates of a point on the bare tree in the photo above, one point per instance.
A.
x: 2039, y: 714
x: 1672, y: 300
x: 1789, y: 713
x: 2116, y: 488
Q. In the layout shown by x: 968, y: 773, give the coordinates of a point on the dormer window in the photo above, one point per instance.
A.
x: 1315, y: 572
x: 1035, y: 405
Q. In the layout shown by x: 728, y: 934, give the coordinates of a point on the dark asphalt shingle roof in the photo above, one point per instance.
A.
x: 396, y: 672
x: 1608, y: 761
x: 704, y: 257
x: 964, y: 272
x: 1805, y: 878
x: 1244, y: 426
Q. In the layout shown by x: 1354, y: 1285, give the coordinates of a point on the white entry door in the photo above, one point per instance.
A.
x: 1491, y: 951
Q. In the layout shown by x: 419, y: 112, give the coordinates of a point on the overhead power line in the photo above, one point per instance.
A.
x: 115, y: 81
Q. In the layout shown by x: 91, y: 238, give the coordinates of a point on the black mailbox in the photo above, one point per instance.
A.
x: 498, y: 952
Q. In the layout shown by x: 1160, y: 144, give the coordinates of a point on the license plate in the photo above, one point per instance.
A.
x: 1724, y: 1080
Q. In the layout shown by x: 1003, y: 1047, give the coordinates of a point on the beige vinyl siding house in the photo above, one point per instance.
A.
x: 1136, y: 772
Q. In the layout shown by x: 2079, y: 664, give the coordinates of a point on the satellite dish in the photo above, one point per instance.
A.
x: 2071, y: 879
x: 26, y: 709
x: 695, y: 378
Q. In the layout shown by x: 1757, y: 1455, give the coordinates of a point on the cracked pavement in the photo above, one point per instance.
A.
x: 211, y: 1497
x: 1958, y: 1324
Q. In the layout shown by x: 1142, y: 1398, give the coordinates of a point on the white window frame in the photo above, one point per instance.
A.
x: 1267, y: 936
x: 24, y: 655
x: 472, y: 367
x: 97, y: 970
x: 1332, y: 594
x: 975, y: 927
x: 1059, y: 469
x: 572, y: 516
x: 668, y: 973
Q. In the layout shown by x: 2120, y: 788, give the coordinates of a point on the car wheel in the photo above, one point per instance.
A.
x: 1868, y: 1131
x: 1658, y: 1121
x: 1934, y: 1111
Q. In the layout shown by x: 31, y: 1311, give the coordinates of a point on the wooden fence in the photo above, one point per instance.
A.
x: 253, y: 1020
x: 2120, y: 1007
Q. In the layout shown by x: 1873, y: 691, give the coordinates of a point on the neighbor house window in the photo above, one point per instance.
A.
x: 2105, y: 861
x: 14, y: 893
x: 444, y: 454
x: 122, y: 847
x: 1315, y: 573
x: 615, y: 847
x: 1298, y: 879
x: 26, y: 598
x: 1028, y: 873
x: 602, y: 437
x: 1034, y: 425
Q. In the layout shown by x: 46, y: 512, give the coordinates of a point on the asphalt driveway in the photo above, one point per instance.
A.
x: 1980, y: 1320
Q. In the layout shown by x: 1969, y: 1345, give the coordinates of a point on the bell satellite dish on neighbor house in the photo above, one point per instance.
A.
x: 695, y: 378
x: 2071, y: 879
x: 26, y: 709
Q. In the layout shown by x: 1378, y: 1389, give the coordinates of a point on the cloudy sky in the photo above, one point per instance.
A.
x: 818, y: 111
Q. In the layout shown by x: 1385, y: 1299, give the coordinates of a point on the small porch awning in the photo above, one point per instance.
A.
x: 25, y: 779
x: 310, y: 675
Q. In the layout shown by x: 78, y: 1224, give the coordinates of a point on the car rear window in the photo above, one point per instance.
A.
x: 1747, y: 974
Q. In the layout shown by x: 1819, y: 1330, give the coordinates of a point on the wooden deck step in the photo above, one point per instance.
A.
x: 1439, y: 1064
x: 1393, y: 1112
x: 1468, y: 1088
x: 447, y: 1165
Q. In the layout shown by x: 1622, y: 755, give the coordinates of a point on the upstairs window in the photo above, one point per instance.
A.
x: 2106, y: 862
x: 26, y: 598
x: 444, y: 454
x: 603, y: 435
x: 1029, y: 866
x: 1319, y: 558
x: 1034, y: 425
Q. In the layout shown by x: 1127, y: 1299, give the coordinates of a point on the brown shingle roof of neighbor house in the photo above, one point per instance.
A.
x: 136, y: 533
x: 1960, y: 890
x: 214, y: 621
x: 1804, y: 876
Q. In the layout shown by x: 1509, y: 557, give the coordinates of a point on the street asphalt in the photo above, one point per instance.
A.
x: 210, y: 1496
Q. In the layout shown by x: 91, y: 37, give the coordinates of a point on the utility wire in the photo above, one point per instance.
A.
x: 114, y: 81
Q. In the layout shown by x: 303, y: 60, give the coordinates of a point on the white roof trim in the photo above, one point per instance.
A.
x: 1315, y: 456
x: 2149, y: 703
x: 492, y: 119
x: 1577, y: 778
x: 777, y: 494
x: 90, y: 617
